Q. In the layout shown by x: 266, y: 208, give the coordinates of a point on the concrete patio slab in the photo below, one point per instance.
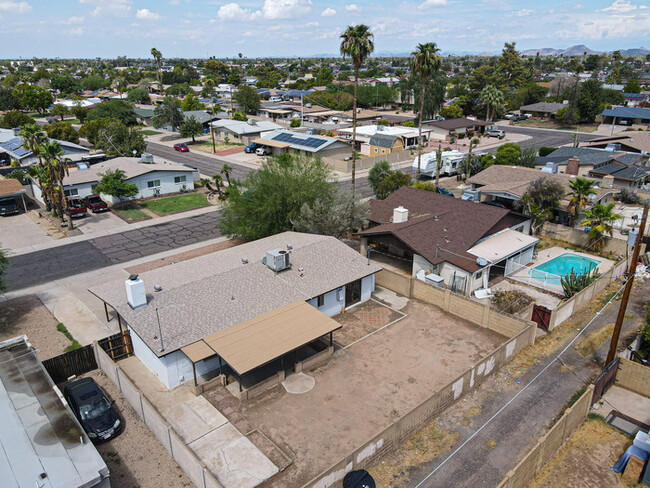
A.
x: 299, y: 383
x: 626, y: 402
x: 195, y: 418
x: 391, y: 298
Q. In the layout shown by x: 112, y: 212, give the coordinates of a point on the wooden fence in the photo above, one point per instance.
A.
x: 538, y: 456
x: 117, y: 346
x: 72, y: 363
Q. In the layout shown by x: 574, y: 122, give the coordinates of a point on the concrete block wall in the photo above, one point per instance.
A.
x: 634, y: 377
x: 578, y: 237
x: 418, y: 417
x: 195, y: 469
x: 549, y: 443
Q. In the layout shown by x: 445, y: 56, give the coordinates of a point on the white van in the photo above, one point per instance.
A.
x: 263, y: 151
x: 275, y: 99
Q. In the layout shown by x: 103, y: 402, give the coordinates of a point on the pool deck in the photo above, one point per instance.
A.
x: 546, y: 255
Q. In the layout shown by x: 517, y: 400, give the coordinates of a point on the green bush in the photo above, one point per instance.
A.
x: 381, y: 122
x: 409, y: 123
x: 461, y: 135
x: 295, y: 123
x: 546, y: 150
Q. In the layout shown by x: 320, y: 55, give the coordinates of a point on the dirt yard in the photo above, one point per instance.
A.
x: 27, y: 315
x: 361, y: 390
x: 584, y: 461
x: 135, y: 458
x: 363, y: 320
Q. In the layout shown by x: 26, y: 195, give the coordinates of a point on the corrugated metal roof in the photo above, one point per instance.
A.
x: 627, y: 113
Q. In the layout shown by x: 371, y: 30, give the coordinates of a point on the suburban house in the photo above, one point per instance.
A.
x: 41, y: 441
x: 542, y: 110
x: 448, y: 241
x: 626, y: 115
x: 631, y: 142
x: 621, y: 174
x: 12, y: 188
x: 266, y: 303
x: 152, y: 178
x: 385, y: 144
x: 203, y: 117
x: 12, y: 149
x: 144, y: 116
x: 507, y: 185
x: 587, y: 158
x: 396, y: 137
x: 243, y: 132
x: 283, y: 141
x: 443, y: 130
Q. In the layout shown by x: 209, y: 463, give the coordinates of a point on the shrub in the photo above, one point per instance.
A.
x: 295, y: 123
x: 628, y: 196
x: 409, y: 123
x: 546, y: 150
x: 461, y: 135
x: 381, y: 122
x: 512, y: 301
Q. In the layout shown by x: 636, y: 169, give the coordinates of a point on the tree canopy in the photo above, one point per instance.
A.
x: 63, y: 131
x: 113, y: 183
x: 168, y: 114
x: 247, y: 99
x: 15, y: 118
x: 116, y: 109
x: 191, y: 128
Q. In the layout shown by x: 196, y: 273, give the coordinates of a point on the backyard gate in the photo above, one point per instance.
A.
x: 605, y: 380
x: 541, y: 316
x: 117, y: 346
x: 72, y: 363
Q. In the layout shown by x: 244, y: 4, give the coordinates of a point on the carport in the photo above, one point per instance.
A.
x: 259, y: 341
x: 277, y: 146
x: 13, y: 188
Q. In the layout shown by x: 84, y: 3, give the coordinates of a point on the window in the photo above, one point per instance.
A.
x: 376, y: 150
x: 153, y: 184
x: 180, y: 179
x: 321, y: 300
x: 72, y: 192
x: 383, y: 151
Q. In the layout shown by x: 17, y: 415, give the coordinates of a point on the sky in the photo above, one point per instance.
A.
x: 268, y: 28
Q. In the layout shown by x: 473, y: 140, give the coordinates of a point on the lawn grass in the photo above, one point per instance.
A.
x: 75, y: 345
x: 132, y: 214
x: 177, y: 203
x: 149, y: 132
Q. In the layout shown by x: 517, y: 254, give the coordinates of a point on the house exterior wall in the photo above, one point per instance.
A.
x: 82, y: 189
x: 146, y: 356
x: 333, y: 302
x: 367, y: 287
x: 398, y: 145
x: 179, y: 368
x: 583, y: 169
x: 167, y: 184
x: 419, y: 264
x: 437, y: 133
x: 447, y: 270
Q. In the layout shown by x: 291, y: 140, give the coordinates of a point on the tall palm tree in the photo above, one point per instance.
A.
x: 33, y: 136
x: 226, y: 170
x: 157, y: 55
x: 599, y: 220
x: 425, y: 64
x: 357, y: 44
x: 40, y: 172
x: 492, y: 98
x: 581, y: 188
x: 58, y: 170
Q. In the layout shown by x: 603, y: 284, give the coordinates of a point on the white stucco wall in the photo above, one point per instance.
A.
x: 146, y: 356
x: 333, y: 301
x: 367, y: 287
x: 419, y: 264
x: 446, y: 270
x: 167, y: 184
x: 83, y: 189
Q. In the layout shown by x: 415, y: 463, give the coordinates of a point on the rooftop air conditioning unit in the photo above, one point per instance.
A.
x: 146, y: 158
x: 613, y: 146
x: 550, y: 168
x: 380, y: 128
x: 277, y: 260
x: 472, y: 195
x: 252, y: 122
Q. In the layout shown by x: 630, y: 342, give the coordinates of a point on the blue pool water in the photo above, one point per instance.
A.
x: 552, y: 271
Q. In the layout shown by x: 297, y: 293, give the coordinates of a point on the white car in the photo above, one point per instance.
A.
x: 263, y: 151
x: 275, y: 99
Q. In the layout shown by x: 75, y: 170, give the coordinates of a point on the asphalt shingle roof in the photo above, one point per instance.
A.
x: 130, y: 166
x: 383, y: 140
x: 544, y: 107
x: 586, y: 156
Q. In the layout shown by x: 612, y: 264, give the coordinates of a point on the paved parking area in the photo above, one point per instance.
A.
x: 19, y: 231
x: 100, y: 222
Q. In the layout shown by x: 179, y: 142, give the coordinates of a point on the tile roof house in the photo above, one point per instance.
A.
x: 542, y: 110
x: 439, y: 235
x: 217, y: 292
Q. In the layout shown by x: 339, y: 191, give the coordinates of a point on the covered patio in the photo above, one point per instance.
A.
x: 264, y: 349
x: 12, y: 188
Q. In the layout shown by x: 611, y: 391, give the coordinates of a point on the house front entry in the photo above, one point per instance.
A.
x: 352, y: 293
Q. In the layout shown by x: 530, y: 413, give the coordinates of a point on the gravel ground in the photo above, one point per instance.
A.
x: 27, y: 315
x: 135, y: 458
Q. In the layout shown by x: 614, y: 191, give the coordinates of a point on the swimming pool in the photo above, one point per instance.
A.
x: 552, y: 271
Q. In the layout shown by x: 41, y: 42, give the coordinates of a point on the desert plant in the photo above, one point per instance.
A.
x: 576, y: 282
x: 510, y: 301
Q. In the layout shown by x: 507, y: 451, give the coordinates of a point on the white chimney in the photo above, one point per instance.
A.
x: 400, y: 214
x: 135, y: 293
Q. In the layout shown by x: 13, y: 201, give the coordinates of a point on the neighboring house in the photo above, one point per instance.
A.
x: 14, y: 150
x: 630, y: 141
x: 41, y: 441
x: 508, y: 184
x: 11, y: 187
x: 542, y: 110
x: 626, y: 115
x: 465, y: 244
x: 243, y: 132
x: 235, y: 310
x: 385, y: 144
x: 408, y: 136
x: 588, y: 159
x: 620, y: 174
x: 444, y: 130
x: 203, y: 117
x: 151, y: 178
x: 144, y: 116
x: 635, y: 99
x: 283, y: 141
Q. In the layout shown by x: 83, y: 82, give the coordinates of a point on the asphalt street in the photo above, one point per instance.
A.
x: 518, y: 427
x: 548, y: 138
x: 39, y: 267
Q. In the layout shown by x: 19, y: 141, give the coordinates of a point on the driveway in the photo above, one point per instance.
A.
x: 106, y: 222
x: 19, y: 231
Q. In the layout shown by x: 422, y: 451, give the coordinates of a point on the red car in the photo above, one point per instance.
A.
x: 95, y: 204
x: 181, y: 147
x: 77, y: 207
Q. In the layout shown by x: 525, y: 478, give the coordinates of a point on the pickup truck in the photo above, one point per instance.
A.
x: 8, y: 206
x: 77, y: 207
x: 95, y: 204
x: 263, y: 151
x: 251, y: 148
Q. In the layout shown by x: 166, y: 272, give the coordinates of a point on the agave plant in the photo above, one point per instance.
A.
x: 573, y: 282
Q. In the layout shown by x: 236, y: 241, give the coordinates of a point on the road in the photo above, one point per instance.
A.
x: 485, y: 460
x: 548, y: 138
x: 40, y: 267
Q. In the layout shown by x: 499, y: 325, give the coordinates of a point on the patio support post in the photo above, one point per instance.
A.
x: 22, y: 196
x: 331, y: 339
x: 239, y: 381
x: 108, y: 319
x: 194, y: 371
x: 220, y: 369
x: 119, y: 321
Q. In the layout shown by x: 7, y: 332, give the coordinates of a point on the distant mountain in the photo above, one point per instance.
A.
x: 639, y: 51
x: 578, y: 50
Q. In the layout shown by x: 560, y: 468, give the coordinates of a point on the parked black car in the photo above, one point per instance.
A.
x: 9, y: 206
x: 93, y: 409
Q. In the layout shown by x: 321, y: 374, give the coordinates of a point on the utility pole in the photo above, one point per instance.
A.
x: 628, y: 287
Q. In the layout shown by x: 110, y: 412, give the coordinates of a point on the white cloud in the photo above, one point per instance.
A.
x: 311, y: 24
x: 621, y: 6
x: 353, y: 7
x: 73, y: 20
x: 600, y: 26
x: 432, y: 4
x: 15, y: 7
x: 523, y: 12
x: 329, y: 12
x: 109, y: 8
x: 77, y: 31
x: 285, y: 9
x: 146, y: 14
x: 232, y: 11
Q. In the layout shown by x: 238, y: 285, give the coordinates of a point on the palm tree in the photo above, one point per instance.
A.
x: 599, y: 220
x: 58, y: 170
x: 357, y: 44
x: 581, y: 188
x: 157, y: 55
x: 492, y: 98
x: 226, y: 169
x: 33, y: 136
x: 438, y: 164
x: 41, y: 173
x: 426, y: 64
